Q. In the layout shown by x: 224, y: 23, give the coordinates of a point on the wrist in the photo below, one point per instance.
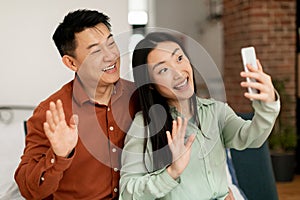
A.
x: 70, y: 154
x: 67, y: 154
x: 173, y: 173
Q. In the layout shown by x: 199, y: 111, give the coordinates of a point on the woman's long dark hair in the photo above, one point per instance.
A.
x: 158, y: 120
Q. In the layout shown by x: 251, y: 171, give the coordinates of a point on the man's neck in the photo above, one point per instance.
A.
x: 103, y: 94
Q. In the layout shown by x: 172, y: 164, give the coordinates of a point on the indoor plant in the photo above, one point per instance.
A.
x: 283, y: 140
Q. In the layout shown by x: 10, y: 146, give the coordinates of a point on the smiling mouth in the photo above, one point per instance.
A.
x: 108, y: 68
x: 182, y: 84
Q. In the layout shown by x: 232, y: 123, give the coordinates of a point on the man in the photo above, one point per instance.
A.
x: 75, y: 136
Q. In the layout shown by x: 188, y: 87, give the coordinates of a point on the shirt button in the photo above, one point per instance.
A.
x: 115, y: 189
x: 52, y: 160
x: 111, y: 128
x: 114, y: 150
x: 115, y: 169
x: 108, y: 109
x: 42, y: 178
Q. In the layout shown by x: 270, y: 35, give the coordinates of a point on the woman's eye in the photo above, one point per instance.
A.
x: 162, y: 70
x: 179, y: 58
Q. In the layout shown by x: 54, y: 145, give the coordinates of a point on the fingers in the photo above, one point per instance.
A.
x: 183, y: 128
x: 54, y: 112
x: 60, y: 110
x: 74, y: 122
x: 169, y: 137
x: 47, y: 130
x: 174, y: 128
x: 55, y: 115
x: 178, y: 131
x: 255, y: 75
x: 179, y: 127
x: 259, y: 66
x: 254, y: 69
x: 50, y: 121
x: 174, y: 132
x: 190, y: 141
x: 251, y: 84
x: 263, y: 83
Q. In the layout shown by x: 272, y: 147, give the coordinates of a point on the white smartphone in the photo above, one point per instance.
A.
x: 249, y: 57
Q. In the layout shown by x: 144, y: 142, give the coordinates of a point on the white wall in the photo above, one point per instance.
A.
x: 31, y: 68
x: 190, y: 17
x: 211, y: 39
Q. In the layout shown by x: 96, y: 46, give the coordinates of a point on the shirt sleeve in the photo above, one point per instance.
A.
x: 240, y: 134
x: 136, y: 182
x: 40, y: 170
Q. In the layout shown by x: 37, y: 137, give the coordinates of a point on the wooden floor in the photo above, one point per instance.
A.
x: 289, y: 190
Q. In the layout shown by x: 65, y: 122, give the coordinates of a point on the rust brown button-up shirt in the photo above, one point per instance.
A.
x: 92, y: 172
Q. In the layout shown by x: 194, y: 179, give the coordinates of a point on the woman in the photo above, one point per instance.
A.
x: 189, y: 162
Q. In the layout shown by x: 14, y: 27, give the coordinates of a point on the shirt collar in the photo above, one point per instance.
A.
x: 81, y: 97
x: 204, y: 102
x: 201, y: 102
x: 79, y: 94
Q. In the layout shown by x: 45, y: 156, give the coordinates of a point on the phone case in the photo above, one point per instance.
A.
x: 249, y: 57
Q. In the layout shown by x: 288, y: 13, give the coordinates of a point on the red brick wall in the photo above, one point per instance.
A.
x: 269, y: 26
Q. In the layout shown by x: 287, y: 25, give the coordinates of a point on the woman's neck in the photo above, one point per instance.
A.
x: 183, y: 107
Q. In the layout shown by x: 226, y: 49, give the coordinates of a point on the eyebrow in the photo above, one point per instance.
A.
x: 162, y: 62
x: 96, y: 44
x: 173, y: 53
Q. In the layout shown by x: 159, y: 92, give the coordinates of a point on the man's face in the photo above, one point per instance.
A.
x: 97, y: 57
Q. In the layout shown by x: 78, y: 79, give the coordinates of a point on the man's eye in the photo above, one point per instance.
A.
x: 111, y: 43
x: 96, y: 51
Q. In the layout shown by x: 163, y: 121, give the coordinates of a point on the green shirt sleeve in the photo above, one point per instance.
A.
x: 136, y: 182
x: 204, y: 178
x: 240, y: 134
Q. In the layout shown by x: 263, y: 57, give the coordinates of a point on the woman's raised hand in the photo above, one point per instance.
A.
x: 181, y: 151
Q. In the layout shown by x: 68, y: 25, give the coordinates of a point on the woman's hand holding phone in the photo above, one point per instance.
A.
x: 259, y: 84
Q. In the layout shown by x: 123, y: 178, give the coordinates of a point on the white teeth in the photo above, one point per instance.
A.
x: 108, y: 68
x: 181, y: 84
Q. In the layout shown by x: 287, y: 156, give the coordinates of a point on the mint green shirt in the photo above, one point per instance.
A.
x: 205, y: 176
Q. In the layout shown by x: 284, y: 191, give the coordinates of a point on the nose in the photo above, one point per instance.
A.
x: 109, y: 54
x: 176, y: 69
x: 177, y: 73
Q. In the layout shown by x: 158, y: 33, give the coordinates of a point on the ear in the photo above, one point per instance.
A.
x: 70, y: 62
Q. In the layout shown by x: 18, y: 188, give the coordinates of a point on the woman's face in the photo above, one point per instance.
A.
x: 171, y: 72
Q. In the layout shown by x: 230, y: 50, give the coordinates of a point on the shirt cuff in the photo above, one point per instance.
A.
x: 273, y: 106
x: 167, y: 182
x: 58, y: 163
